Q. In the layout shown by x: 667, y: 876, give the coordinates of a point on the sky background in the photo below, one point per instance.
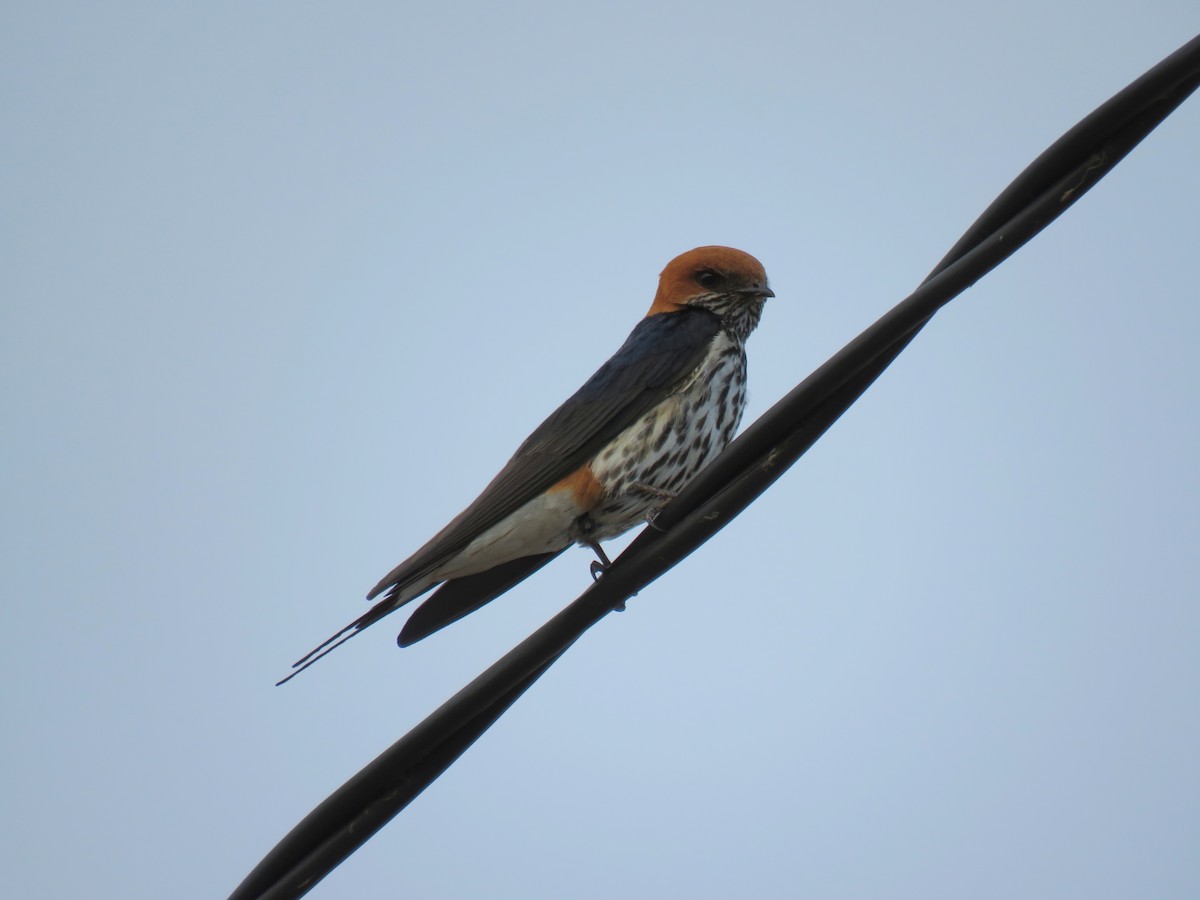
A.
x: 284, y: 284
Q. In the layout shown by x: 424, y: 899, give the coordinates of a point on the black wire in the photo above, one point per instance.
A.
x: 1047, y: 187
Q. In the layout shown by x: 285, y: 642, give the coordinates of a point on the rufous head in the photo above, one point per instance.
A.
x: 714, y: 277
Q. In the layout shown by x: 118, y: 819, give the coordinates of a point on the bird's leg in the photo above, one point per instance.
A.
x: 601, y: 565
x: 585, y: 527
x: 658, y: 493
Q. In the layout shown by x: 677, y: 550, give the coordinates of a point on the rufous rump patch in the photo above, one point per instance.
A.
x: 585, y: 490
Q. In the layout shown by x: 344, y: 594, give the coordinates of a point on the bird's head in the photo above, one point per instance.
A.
x: 727, y: 282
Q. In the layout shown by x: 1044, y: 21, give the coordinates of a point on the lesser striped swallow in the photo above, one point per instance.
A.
x: 614, y: 453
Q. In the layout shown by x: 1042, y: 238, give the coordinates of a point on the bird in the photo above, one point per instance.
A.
x: 608, y: 459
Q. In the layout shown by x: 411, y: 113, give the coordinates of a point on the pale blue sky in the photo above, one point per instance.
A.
x: 285, y: 283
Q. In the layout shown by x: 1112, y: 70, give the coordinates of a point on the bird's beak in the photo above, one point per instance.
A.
x: 756, y: 290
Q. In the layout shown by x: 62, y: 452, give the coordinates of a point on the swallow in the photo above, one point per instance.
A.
x: 608, y: 459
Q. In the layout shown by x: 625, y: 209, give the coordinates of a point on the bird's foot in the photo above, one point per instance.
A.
x: 651, y: 491
x: 659, y: 494
x: 601, y: 565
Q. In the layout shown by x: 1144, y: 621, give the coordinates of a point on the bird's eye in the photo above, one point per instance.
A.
x: 707, y: 278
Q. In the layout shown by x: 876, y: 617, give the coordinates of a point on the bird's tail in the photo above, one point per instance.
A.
x: 389, y: 604
x: 460, y: 596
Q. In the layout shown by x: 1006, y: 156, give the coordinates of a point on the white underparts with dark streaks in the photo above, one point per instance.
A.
x: 655, y: 457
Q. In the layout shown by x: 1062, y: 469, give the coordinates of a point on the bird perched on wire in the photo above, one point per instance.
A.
x: 609, y: 458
